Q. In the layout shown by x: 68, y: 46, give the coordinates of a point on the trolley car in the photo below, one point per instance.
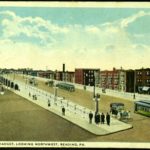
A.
x: 66, y: 86
x: 142, y: 107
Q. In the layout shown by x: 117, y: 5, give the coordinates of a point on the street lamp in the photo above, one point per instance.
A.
x: 134, y: 84
x: 14, y: 75
x: 55, y: 94
x: 96, y: 99
x: 94, y: 77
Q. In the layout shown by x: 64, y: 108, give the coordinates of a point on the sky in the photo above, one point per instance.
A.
x: 47, y: 37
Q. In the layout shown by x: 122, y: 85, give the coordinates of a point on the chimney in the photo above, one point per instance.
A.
x: 63, y: 67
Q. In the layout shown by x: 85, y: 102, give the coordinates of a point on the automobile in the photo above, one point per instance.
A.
x: 116, y: 107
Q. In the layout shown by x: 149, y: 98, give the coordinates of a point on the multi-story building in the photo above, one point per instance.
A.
x: 113, y: 79
x: 46, y: 74
x: 58, y: 75
x: 122, y: 80
x: 69, y: 76
x: 142, y: 78
x: 130, y: 81
x: 87, y: 76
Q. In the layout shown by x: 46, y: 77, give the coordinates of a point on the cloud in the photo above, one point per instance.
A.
x: 28, y: 26
x: 125, y: 22
x: 37, y: 42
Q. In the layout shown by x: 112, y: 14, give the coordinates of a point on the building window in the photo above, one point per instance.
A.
x: 139, y: 80
x: 147, y: 72
x: 139, y: 73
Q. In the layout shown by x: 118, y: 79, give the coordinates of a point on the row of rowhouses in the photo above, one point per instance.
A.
x: 116, y: 79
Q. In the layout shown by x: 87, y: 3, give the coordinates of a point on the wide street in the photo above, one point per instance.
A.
x: 23, y: 120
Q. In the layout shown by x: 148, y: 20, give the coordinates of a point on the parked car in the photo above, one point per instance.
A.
x: 116, y: 107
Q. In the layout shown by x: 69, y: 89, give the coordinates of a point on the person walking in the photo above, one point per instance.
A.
x: 63, y: 111
x: 102, y: 118
x: 90, y: 117
x: 108, y: 119
x: 49, y: 103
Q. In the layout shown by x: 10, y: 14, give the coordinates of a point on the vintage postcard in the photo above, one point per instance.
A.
x: 75, y: 74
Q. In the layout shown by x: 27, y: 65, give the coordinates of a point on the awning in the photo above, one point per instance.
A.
x: 145, y: 88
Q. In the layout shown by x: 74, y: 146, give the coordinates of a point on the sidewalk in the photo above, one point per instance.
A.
x: 76, y: 117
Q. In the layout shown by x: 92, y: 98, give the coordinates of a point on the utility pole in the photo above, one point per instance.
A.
x: 134, y: 84
x: 94, y: 85
x: 55, y: 95
x: 96, y: 99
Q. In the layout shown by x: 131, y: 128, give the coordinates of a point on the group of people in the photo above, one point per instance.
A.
x: 99, y: 118
x: 34, y: 97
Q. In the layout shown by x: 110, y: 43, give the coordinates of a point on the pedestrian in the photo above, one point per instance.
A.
x: 90, y: 117
x: 35, y: 97
x: 97, y: 118
x: 63, y: 110
x: 129, y: 114
x: 49, y: 103
x: 119, y: 115
x: 102, y: 118
x: 2, y: 89
x: 29, y: 94
x: 108, y: 119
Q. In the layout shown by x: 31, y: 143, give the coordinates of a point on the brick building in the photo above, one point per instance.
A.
x: 87, y: 76
x: 142, y: 78
x: 113, y: 79
x: 130, y: 80
x: 46, y: 74
x: 67, y: 76
x: 58, y: 75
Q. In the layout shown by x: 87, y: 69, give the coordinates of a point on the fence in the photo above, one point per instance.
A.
x: 43, y: 98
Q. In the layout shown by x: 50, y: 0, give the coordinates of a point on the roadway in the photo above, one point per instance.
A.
x: 137, y: 134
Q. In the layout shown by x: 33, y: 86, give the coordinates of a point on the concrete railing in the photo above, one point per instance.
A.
x: 42, y: 97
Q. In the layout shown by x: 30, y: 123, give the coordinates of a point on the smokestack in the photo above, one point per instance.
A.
x: 63, y: 67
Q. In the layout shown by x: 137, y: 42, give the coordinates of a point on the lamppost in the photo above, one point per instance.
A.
x: 94, y: 78
x: 96, y: 99
x: 55, y: 95
x: 84, y: 76
x: 134, y: 84
x: 14, y: 75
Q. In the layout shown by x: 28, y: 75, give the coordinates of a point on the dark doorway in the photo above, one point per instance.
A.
x: 16, y: 87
